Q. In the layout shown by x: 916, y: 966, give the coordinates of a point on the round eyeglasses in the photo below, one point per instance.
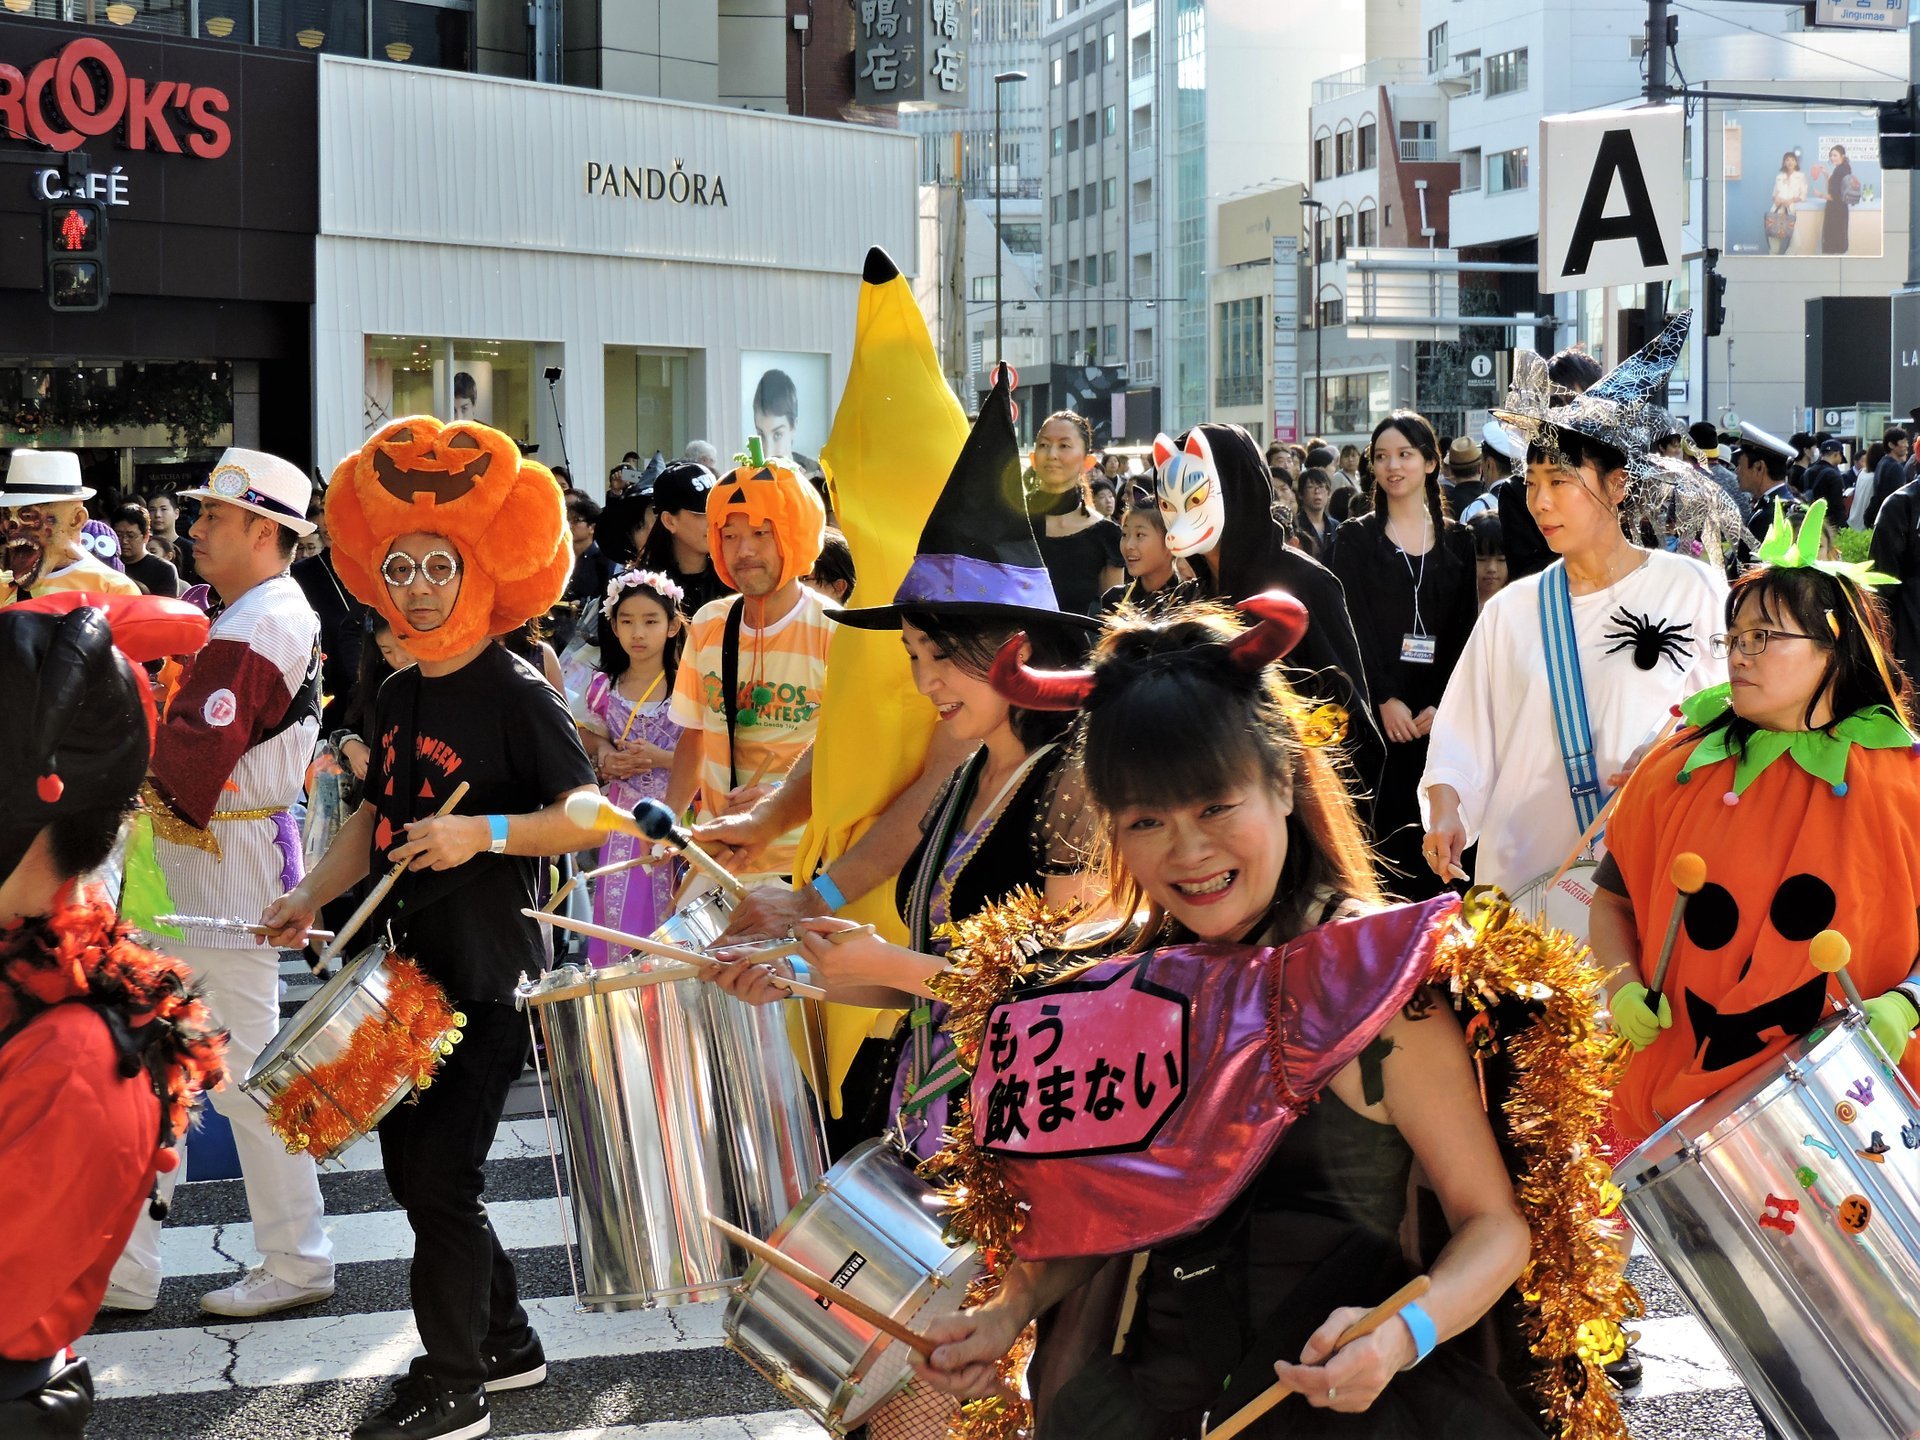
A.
x: 1751, y: 642
x: 439, y: 566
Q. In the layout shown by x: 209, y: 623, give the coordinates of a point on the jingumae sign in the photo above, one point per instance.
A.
x: 1611, y: 198
x: 84, y: 92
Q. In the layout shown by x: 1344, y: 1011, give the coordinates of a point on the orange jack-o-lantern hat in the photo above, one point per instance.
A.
x: 469, y: 483
x: 772, y: 493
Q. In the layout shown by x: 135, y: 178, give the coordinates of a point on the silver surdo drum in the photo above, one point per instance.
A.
x: 1787, y: 1210
x: 674, y: 1100
x: 877, y: 1230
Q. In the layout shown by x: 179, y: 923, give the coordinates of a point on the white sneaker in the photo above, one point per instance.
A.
x: 260, y: 1292
x: 117, y: 1298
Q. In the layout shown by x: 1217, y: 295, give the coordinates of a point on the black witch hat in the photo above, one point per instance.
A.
x: 977, y: 554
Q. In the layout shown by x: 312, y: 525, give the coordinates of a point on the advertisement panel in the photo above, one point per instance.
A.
x: 1803, y: 183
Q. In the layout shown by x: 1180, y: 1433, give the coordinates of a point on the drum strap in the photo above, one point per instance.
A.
x: 1570, y: 723
x: 730, y: 687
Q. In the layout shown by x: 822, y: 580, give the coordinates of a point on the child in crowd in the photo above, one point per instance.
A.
x: 1151, y: 584
x: 623, y: 721
x: 1490, y: 555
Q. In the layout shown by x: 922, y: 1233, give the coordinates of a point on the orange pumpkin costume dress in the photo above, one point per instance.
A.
x: 1801, y: 832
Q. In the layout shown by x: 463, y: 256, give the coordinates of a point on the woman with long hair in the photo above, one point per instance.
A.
x: 1079, y: 545
x: 1789, y: 191
x: 1842, y: 193
x: 1227, y: 829
x: 1795, y: 786
x: 1408, y: 572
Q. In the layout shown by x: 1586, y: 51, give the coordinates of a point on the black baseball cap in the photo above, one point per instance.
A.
x: 683, y: 485
x: 1832, y: 445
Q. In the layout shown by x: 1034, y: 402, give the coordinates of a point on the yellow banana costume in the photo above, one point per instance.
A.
x: 895, y: 437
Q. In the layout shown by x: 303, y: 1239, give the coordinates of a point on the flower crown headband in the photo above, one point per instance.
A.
x: 642, y: 580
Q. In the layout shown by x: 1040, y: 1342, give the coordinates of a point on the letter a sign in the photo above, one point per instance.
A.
x: 1611, y: 197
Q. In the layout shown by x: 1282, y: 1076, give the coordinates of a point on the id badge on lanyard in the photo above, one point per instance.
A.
x: 1418, y: 649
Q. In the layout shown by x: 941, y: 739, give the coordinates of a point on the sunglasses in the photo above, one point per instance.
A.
x: 440, y: 567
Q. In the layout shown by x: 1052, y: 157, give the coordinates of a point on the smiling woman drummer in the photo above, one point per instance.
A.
x: 1798, y: 787
x: 1269, y: 1215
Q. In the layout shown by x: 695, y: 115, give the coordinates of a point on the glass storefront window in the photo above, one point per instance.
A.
x: 650, y: 405
x: 134, y: 424
x: 486, y: 380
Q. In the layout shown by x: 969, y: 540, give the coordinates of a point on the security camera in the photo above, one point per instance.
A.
x: 553, y: 373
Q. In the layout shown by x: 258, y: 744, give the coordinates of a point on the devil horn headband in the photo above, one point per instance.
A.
x: 1280, y: 621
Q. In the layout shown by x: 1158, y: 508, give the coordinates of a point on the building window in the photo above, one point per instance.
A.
x: 1110, y: 120
x: 1090, y: 201
x: 1323, y: 239
x: 1054, y: 280
x: 1367, y: 228
x: 1059, y: 72
x: 1342, y: 234
x: 1506, y: 73
x: 1073, y: 65
x: 1110, y: 193
x: 1090, y: 126
x: 1021, y: 237
x: 1056, y: 208
x: 983, y: 287
x: 1109, y: 343
x: 1239, y: 376
x: 1507, y: 170
x: 1323, y: 158
x: 1436, y: 49
x: 1110, y: 270
x: 1059, y: 341
x: 1073, y: 135
x: 1469, y: 169
x: 1073, y: 345
x: 1073, y: 273
x: 1059, y: 139
x: 1367, y: 142
x: 1112, y: 44
x: 1350, y: 402
x: 1343, y: 152
x: 1418, y: 142
x: 1073, y: 205
x: 1142, y: 61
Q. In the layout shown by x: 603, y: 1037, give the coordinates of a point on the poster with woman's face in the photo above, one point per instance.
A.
x: 784, y: 400
x: 1803, y: 184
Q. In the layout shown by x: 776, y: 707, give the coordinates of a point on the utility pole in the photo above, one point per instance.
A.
x: 1913, y: 176
x: 1659, y: 23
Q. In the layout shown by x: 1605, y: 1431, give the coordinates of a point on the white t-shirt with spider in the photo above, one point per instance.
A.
x: 1644, y: 646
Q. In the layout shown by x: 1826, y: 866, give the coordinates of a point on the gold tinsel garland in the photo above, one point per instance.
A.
x: 1565, y: 1065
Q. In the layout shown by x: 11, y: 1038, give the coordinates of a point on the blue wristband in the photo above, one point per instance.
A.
x: 497, y: 827
x: 1425, y: 1334
x: 828, y: 891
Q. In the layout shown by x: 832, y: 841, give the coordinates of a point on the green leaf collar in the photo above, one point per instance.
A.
x: 1821, y: 753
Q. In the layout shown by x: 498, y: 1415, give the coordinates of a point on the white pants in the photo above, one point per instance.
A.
x: 283, y: 1191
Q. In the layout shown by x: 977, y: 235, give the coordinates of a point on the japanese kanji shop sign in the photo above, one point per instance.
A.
x: 911, y: 50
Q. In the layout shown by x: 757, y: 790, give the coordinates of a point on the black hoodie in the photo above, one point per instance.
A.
x: 1253, y: 556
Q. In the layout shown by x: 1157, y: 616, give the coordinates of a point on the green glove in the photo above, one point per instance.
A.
x: 1634, y: 1018
x: 1892, y: 1020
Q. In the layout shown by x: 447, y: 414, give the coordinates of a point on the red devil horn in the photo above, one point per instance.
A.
x: 1281, y: 621
x: 1030, y: 689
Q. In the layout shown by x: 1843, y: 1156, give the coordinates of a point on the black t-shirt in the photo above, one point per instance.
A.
x: 1075, y: 562
x: 155, y: 576
x: 496, y: 724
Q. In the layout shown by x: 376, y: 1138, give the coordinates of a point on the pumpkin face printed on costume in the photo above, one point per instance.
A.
x: 1853, y: 1213
x: 468, y: 483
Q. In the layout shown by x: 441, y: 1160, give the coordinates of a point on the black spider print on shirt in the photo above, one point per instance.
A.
x: 1649, y: 639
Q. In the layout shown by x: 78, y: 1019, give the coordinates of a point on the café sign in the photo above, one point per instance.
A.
x: 84, y: 93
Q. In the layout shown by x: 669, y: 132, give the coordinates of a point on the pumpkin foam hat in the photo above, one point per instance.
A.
x: 470, y: 484
x: 771, y: 493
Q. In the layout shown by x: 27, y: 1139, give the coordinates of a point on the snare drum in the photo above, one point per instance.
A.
x: 373, y: 1034
x: 674, y: 1099
x: 877, y: 1230
x: 1564, y: 906
x: 1787, y: 1210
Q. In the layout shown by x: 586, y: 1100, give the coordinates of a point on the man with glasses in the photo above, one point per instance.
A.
x: 228, y: 765
x: 468, y: 711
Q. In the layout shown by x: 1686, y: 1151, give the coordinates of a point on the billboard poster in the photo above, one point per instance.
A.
x: 1803, y: 183
x: 784, y: 400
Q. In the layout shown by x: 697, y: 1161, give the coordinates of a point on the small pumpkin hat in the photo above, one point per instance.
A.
x: 468, y: 483
x: 770, y: 492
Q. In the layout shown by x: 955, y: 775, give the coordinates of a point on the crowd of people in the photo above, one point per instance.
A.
x: 1225, y: 699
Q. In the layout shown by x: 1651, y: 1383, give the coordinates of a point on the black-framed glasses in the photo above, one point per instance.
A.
x: 439, y: 566
x: 1751, y: 642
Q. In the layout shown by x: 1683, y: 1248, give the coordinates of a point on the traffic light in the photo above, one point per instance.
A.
x: 1899, y: 145
x: 1716, y: 302
x: 76, y: 239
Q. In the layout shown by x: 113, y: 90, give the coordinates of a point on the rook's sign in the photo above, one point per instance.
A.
x: 1611, y: 198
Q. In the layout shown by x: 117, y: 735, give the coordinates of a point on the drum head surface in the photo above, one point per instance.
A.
x: 326, y: 1003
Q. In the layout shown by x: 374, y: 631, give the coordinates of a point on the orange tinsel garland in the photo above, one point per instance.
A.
x: 325, y: 1108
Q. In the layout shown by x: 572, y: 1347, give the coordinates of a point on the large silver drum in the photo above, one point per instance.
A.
x: 674, y: 1099
x: 1787, y: 1210
x: 877, y: 1230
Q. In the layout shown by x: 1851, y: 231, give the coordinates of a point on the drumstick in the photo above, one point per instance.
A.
x: 372, y: 902
x: 824, y: 1288
x: 574, y: 882
x: 1830, y: 953
x: 698, y: 964
x: 1689, y: 875
x: 592, y: 811
x: 229, y: 927
x: 1365, y: 1325
x: 1599, y: 821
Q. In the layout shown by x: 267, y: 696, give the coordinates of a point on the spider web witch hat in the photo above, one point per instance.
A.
x: 1672, y: 498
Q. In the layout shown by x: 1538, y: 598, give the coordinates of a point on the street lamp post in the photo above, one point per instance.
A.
x: 1005, y: 77
x: 1307, y: 202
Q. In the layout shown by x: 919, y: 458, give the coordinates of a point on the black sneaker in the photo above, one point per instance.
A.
x: 421, y: 1410
x: 1625, y: 1373
x: 519, y: 1368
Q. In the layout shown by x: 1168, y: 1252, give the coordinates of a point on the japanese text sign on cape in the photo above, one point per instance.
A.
x: 1131, y: 1104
